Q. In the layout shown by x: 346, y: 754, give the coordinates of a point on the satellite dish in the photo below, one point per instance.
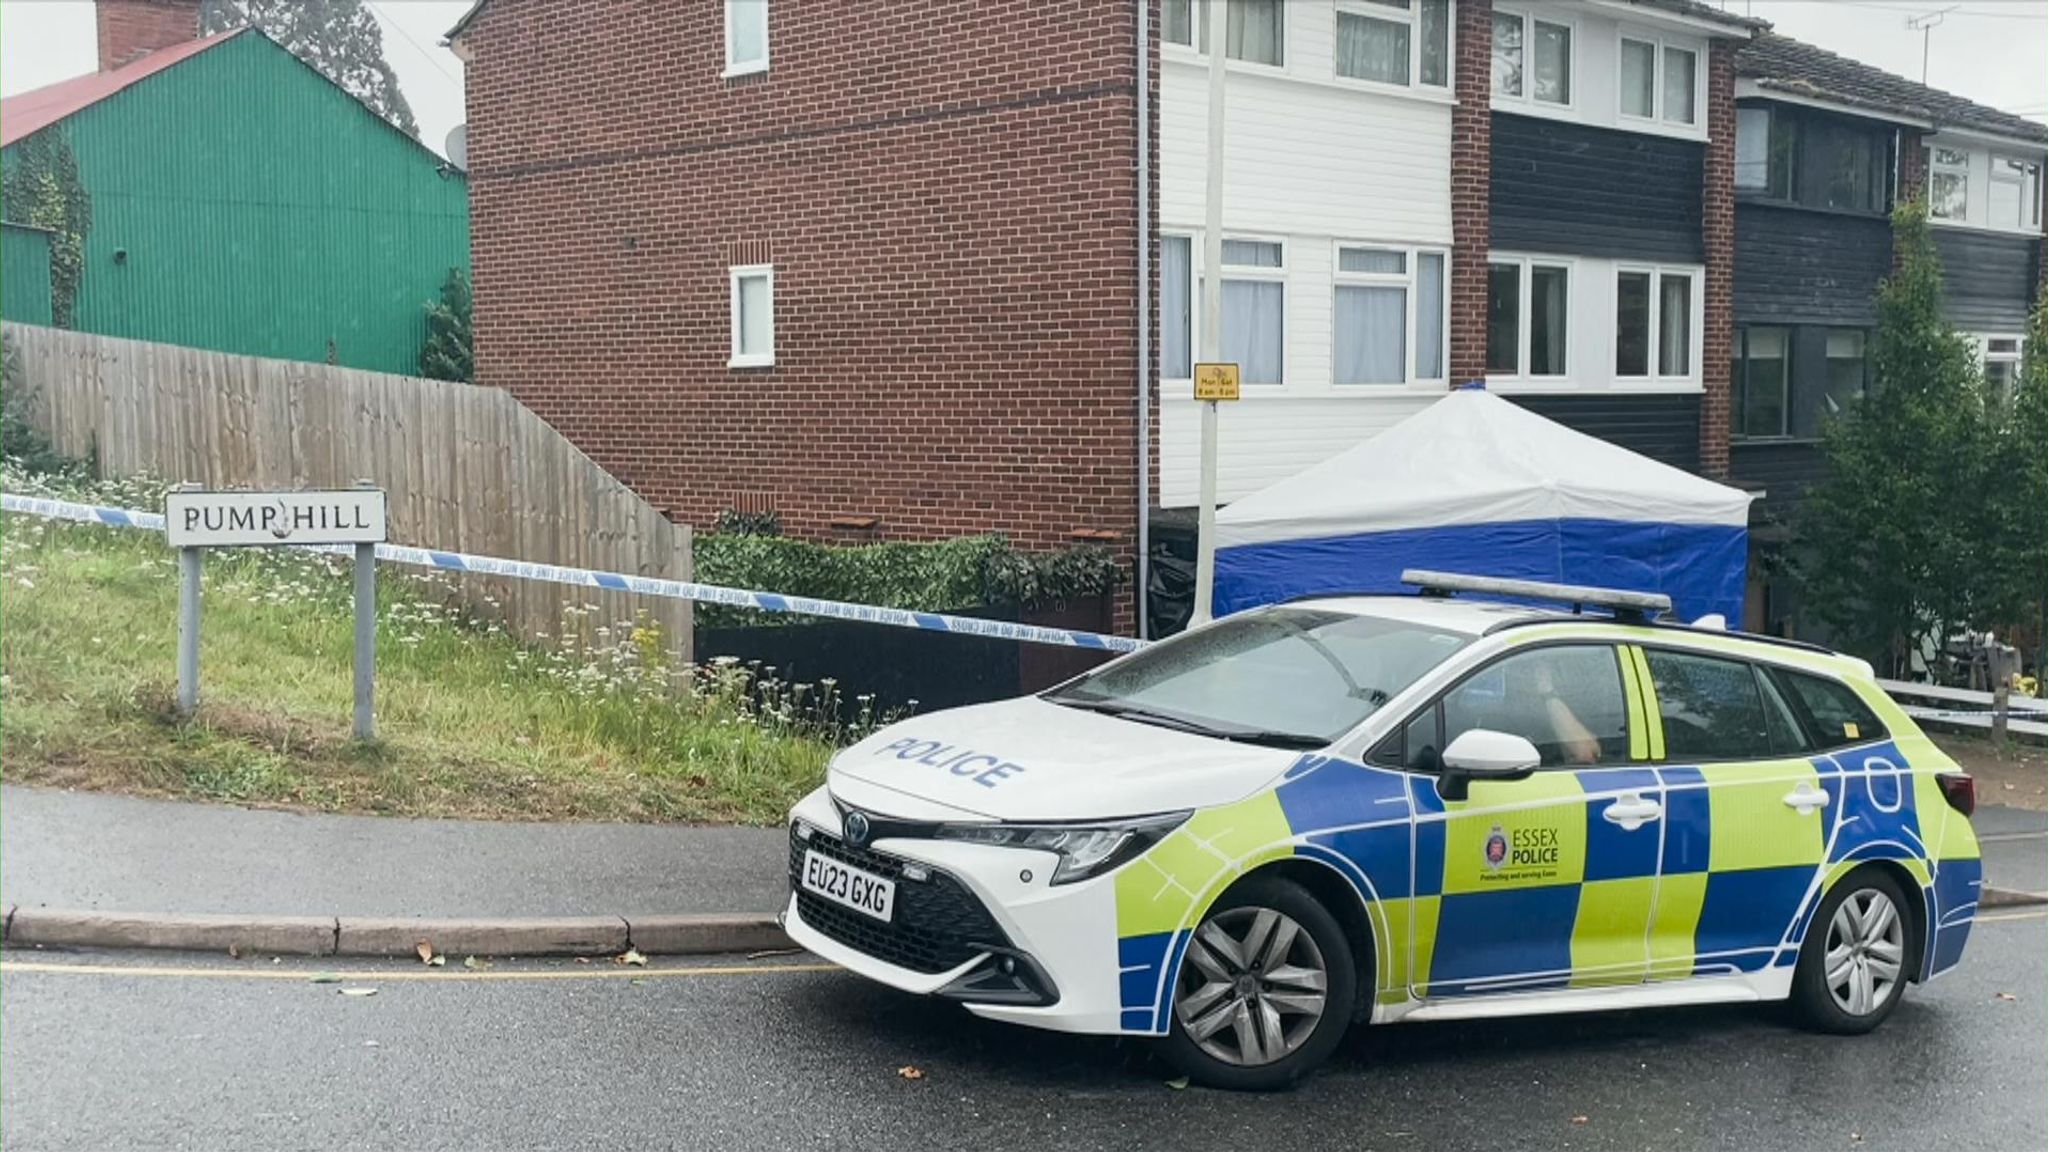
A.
x: 458, y: 146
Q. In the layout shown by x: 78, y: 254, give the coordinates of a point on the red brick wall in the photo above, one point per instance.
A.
x: 1471, y: 179
x: 946, y: 189
x: 1912, y: 166
x: 1718, y: 236
x: 130, y: 28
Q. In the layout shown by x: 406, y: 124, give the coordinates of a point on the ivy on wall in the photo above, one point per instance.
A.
x: 40, y: 186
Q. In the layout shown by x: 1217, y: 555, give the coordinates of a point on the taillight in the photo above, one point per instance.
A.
x: 1960, y: 789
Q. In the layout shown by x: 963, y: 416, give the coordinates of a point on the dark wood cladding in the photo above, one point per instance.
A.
x: 1784, y: 470
x: 1987, y: 278
x: 1665, y: 428
x: 1572, y: 189
x: 1798, y: 266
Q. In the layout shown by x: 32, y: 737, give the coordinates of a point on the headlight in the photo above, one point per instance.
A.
x: 1084, y: 849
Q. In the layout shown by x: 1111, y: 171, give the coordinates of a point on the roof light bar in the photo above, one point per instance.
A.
x: 1648, y: 605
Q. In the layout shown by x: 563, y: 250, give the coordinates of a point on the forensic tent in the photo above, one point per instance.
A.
x: 1478, y: 485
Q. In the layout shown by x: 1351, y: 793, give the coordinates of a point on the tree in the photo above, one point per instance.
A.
x: 1897, y: 550
x: 339, y: 37
x: 447, y: 353
x: 2015, y: 502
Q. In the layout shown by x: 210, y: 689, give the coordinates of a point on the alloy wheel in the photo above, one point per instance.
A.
x: 1252, y: 988
x: 1866, y: 952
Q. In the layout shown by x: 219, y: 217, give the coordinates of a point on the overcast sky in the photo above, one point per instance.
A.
x: 1993, y: 51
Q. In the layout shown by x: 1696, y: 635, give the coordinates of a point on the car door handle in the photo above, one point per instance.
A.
x: 1632, y: 812
x: 1807, y: 799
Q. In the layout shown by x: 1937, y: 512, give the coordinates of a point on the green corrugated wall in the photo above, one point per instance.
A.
x: 24, y: 274
x: 241, y: 202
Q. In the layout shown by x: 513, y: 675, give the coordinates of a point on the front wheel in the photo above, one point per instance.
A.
x: 1853, y: 966
x: 1265, y: 991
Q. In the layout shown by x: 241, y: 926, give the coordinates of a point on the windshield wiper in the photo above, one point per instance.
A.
x: 1181, y: 724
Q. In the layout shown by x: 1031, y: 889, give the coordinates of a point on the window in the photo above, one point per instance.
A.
x: 2001, y: 365
x: 2015, y: 194
x: 1713, y: 708
x: 1680, y: 85
x: 1847, y: 369
x: 746, y: 36
x: 1762, y: 376
x: 1546, y: 50
x: 1254, y: 309
x: 1176, y: 308
x: 1659, y: 82
x: 1303, y: 674
x: 1812, y: 160
x: 1394, y: 41
x: 1528, y: 306
x: 1373, y: 319
x: 1638, y: 79
x: 1255, y: 30
x: 1787, y: 738
x: 753, y: 316
x: 1835, y: 715
x: 1653, y: 323
x: 1564, y: 699
x: 1948, y: 184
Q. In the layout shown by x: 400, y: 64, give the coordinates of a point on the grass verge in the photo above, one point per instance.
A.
x: 471, y: 722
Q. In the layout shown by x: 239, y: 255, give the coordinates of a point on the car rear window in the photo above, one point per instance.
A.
x: 1836, y: 715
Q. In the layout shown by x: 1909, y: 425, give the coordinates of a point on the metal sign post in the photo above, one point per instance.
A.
x: 195, y: 520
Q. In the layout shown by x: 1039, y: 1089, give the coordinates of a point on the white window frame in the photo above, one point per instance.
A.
x: 1660, y: 116
x: 1192, y: 50
x: 1524, y: 331
x: 1410, y: 282
x: 1194, y: 238
x: 1986, y: 357
x: 2029, y: 226
x: 1936, y: 166
x: 745, y: 67
x: 735, y: 274
x: 1694, y: 305
x: 1411, y: 16
x: 1527, y: 99
x: 1231, y: 272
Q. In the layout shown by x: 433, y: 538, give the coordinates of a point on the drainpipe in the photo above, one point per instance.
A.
x: 1144, y: 81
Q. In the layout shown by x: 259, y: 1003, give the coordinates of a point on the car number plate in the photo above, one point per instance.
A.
x: 861, y: 891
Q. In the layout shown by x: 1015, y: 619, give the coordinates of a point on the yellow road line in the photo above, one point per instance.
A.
x: 362, y: 976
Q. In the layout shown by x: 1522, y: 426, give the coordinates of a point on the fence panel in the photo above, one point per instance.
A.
x: 468, y: 469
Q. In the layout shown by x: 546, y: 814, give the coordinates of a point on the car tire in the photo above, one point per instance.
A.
x: 1219, y: 991
x: 1857, y: 957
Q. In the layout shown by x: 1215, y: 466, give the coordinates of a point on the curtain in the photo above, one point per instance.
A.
x: 1372, y: 324
x: 1436, y: 43
x: 1429, y: 316
x: 1632, y: 324
x: 1547, y: 308
x: 1638, y: 78
x: 1678, y: 85
x: 1553, y: 63
x: 1674, y: 320
x: 1176, y: 330
x: 1369, y: 49
x: 1256, y: 30
x: 1177, y: 22
x: 1253, y: 328
x: 1507, y: 54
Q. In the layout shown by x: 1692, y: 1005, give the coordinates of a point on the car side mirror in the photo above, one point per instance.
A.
x: 1483, y: 754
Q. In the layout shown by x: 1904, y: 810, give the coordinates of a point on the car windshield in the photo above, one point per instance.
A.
x: 1290, y: 677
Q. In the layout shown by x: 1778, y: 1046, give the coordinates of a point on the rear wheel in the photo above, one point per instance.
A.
x: 1853, y: 967
x: 1266, y: 989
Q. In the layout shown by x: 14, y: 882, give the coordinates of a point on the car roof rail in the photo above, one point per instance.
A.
x: 1627, y: 606
x: 1675, y: 626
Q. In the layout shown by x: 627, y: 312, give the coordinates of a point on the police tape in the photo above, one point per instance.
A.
x: 620, y: 582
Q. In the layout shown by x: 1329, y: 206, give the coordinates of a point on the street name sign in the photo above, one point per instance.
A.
x: 1215, y: 381
x: 197, y: 519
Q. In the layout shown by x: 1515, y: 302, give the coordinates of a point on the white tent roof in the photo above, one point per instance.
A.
x: 1474, y: 458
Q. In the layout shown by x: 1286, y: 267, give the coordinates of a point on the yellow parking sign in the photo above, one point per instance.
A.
x: 1215, y: 381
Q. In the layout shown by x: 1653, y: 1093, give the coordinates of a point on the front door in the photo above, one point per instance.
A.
x: 1549, y: 881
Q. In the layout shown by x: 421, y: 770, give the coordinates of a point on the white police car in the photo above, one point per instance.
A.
x: 1246, y: 838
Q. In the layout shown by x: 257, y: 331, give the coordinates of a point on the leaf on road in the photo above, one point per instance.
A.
x: 438, y: 961
x: 475, y: 963
x: 583, y: 959
x: 326, y: 978
x: 358, y: 991
x: 910, y: 1072
x: 1578, y: 1119
x: 632, y: 956
x: 1177, y: 1083
x: 371, y: 1044
x: 234, y: 951
x: 1855, y: 1137
x: 2007, y: 996
x: 425, y: 949
x: 765, y: 953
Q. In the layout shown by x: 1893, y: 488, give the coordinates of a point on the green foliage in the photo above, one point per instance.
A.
x: 2015, y: 505
x: 40, y: 186
x: 948, y: 575
x: 19, y: 441
x: 1900, y: 535
x: 340, y: 38
x: 447, y: 355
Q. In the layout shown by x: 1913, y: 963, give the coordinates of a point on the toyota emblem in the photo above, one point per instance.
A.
x: 857, y: 829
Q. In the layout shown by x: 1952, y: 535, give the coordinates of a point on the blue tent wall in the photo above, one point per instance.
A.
x: 1702, y: 567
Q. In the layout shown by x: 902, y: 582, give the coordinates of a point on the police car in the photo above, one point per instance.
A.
x: 1420, y: 807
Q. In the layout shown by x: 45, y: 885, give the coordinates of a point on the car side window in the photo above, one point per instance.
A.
x: 1412, y: 747
x: 1565, y: 699
x: 1786, y: 737
x: 1713, y: 709
x: 1837, y: 716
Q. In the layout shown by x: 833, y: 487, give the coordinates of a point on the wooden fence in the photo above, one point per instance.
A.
x: 467, y: 469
